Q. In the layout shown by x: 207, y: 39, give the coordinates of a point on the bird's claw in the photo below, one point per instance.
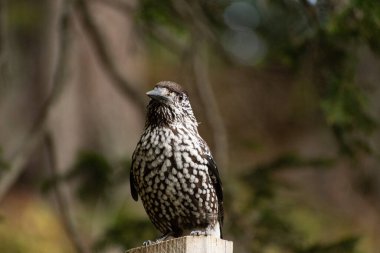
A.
x: 159, y: 239
x: 198, y: 233
x: 148, y: 243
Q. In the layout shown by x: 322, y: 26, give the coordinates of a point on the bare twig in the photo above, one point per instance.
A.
x: 35, y: 133
x: 63, y: 204
x: 106, y: 60
x: 214, y: 117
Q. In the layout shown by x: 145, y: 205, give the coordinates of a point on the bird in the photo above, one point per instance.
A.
x: 173, y: 170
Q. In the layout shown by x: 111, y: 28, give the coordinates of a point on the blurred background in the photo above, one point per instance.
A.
x: 286, y: 92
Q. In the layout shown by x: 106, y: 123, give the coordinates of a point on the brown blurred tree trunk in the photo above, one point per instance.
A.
x: 26, y: 60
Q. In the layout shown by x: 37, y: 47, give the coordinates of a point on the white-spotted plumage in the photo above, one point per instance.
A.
x: 173, y: 170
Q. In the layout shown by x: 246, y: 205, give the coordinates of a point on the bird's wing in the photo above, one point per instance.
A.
x: 217, y: 183
x: 215, y: 178
x: 132, y: 182
x: 214, y: 174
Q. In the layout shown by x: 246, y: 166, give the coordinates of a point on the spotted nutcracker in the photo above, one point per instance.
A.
x: 173, y: 170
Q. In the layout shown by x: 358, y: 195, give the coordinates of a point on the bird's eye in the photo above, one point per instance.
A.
x: 180, y: 98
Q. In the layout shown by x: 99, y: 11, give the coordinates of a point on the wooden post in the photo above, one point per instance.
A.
x: 188, y: 244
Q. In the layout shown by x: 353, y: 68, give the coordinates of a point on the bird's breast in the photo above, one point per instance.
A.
x: 170, y: 154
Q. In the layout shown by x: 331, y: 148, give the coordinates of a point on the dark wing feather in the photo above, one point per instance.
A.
x: 132, y: 183
x: 214, y: 174
x: 217, y: 183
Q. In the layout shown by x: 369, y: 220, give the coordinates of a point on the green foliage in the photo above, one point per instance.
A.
x: 285, y: 39
x: 271, y: 229
x: 261, y: 177
x: 359, y: 22
x: 343, y: 101
x: 126, y: 231
x: 342, y: 108
x: 94, y: 175
x: 24, y: 15
x: 270, y: 225
x: 332, y: 45
x: 345, y: 110
x: 160, y: 13
x: 96, y: 178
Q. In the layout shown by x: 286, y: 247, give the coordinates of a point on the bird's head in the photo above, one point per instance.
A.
x: 169, y: 104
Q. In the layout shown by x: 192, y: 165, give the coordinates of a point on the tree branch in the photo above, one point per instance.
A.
x: 106, y: 60
x: 63, y: 204
x: 35, y: 133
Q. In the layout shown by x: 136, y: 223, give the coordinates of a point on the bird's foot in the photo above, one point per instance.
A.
x: 148, y: 243
x: 159, y: 239
x: 198, y: 233
x: 164, y: 237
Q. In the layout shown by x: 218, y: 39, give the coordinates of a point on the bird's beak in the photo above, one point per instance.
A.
x: 157, y: 94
